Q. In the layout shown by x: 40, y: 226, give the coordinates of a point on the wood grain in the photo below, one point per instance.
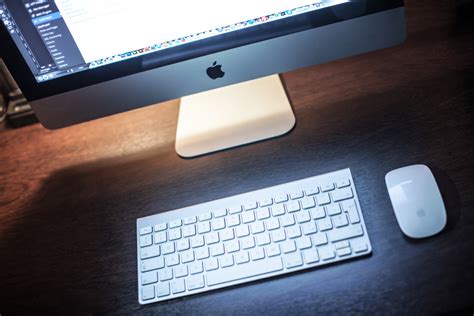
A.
x: 69, y: 198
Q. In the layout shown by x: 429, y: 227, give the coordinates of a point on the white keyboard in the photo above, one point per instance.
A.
x: 251, y: 236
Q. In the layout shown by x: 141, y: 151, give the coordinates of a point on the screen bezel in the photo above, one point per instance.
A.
x: 35, y: 91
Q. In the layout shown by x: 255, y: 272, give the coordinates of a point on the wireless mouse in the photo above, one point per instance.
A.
x: 416, y: 201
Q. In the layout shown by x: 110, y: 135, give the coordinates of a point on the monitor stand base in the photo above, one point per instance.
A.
x: 232, y: 116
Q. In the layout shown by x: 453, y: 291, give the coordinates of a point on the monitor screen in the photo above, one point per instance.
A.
x: 62, y: 37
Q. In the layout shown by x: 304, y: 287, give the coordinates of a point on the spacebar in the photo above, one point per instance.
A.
x: 243, y: 271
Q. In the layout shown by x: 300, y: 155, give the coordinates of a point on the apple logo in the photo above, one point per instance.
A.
x: 215, y: 71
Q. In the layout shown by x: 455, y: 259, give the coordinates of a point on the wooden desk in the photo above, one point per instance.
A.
x: 69, y: 198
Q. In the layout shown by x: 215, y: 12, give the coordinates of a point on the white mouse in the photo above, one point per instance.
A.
x: 416, y: 200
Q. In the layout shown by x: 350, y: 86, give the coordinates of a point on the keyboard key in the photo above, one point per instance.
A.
x: 327, y: 252
x: 160, y: 227
x: 281, y: 198
x: 178, y: 286
x: 165, y: 274
x: 345, y: 232
x: 359, y: 245
x: 309, y: 228
x: 202, y: 253
x: 307, y: 202
x: 220, y: 213
x: 218, y: 224
x: 312, y: 191
x: 342, y: 194
x: 265, y: 202
x: 227, y: 234
x: 167, y: 248
x: 247, y: 242
x: 288, y: 246
x: 211, y: 238
x: 205, y: 217
x: 324, y: 224
x: 343, y: 183
x: 242, y: 257
x: 244, y: 271
x: 272, y: 224
x: 145, y: 241
x: 242, y: 231
x: 340, y: 220
x: 293, y: 232
x: 163, y: 289
x: 195, y: 282
x: 235, y: 209
x: 190, y: 220
x: 303, y: 243
x: 172, y: 260
x: 225, y: 261
x: 195, y: 267
x: 233, y: 220
x: 175, y: 233
x: 149, y: 277
x: 344, y: 252
x: 175, y: 223
x: 311, y: 256
x: 296, y: 195
x: 248, y: 217
x: 181, y: 271
x: 148, y: 292
x: 217, y: 250
x: 293, y: 206
x: 232, y: 246
x: 146, y: 230
x: 333, y: 209
x: 263, y: 239
x: 278, y: 235
x: 211, y: 264
x: 189, y: 230
x: 152, y: 264
x: 160, y: 237
x: 272, y: 250
x: 204, y: 227
x: 287, y: 220
x: 182, y: 244
x: 263, y: 213
x: 197, y: 241
x: 327, y: 187
x: 320, y: 239
x: 149, y: 252
x: 250, y: 206
x: 293, y: 260
x: 257, y: 227
x: 318, y: 213
x: 303, y: 217
x: 257, y: 253
x: 278, y: 210
x: 323, y: 199
x: 341, y: 244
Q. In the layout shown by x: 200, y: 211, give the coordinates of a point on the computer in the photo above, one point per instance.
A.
x: 79, y: 60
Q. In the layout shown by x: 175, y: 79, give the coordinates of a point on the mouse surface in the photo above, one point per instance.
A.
x: 416, y: 201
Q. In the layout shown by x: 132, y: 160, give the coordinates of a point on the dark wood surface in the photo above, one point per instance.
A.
x: 69, y: 198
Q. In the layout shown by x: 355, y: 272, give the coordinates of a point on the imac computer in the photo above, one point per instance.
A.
x: 79, y: 60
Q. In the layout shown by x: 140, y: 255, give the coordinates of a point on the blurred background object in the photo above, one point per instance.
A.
x: 14, y: 109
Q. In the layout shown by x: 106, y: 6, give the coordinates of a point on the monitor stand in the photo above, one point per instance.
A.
x: 232, y: 116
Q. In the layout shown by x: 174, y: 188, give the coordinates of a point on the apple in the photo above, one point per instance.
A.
x: 215, y: 71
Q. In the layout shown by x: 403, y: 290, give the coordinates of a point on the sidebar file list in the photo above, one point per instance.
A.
x: 47, y: 19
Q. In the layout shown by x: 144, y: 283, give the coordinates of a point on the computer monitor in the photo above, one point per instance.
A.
x: 78, y: 60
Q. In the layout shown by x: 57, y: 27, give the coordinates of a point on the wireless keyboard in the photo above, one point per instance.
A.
x: 251, y: 236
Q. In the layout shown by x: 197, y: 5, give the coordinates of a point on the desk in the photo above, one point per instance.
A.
x: 69, y: 198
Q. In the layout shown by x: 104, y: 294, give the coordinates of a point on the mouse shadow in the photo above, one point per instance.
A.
x: 452, y: 203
